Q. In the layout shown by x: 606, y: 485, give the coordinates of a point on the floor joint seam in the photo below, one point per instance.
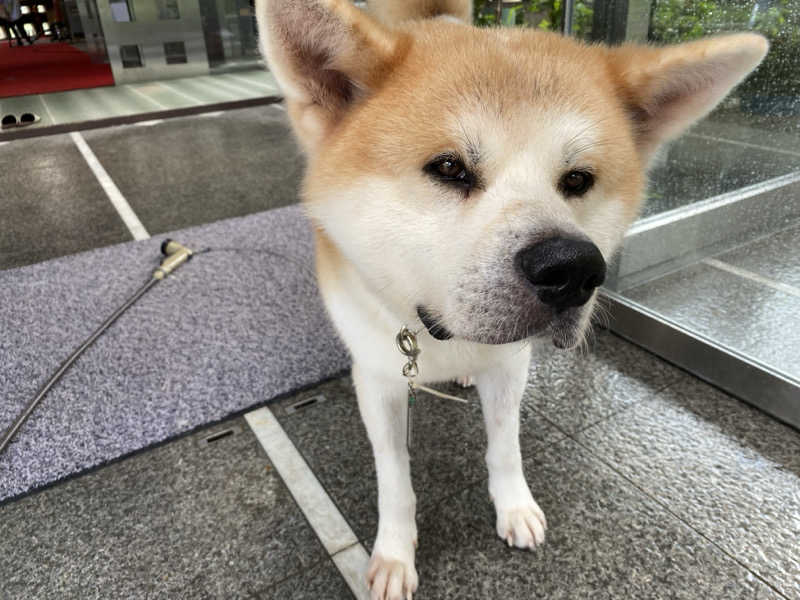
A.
x: 751, y: 276
x: 667, y: 510
x: 148, y: 98
x: 623, y: 409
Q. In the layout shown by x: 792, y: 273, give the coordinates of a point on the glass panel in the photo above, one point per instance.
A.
x: 121, y: 11
x: 717, y: 251
x: 175, y: 52
x: 131, y: 56
x: 168, y: 9
x: 542, y: 14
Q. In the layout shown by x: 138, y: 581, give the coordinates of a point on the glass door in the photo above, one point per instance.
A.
x: 709, y: 277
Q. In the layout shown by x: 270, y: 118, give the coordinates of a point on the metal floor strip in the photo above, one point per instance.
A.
x: 322, y: 514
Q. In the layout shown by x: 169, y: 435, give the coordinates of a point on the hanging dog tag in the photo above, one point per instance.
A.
x: 412, y: 400
x: 407, y: 343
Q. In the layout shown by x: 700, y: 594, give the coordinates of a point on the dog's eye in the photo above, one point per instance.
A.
x: 576, y: 183
x: 451, y: 170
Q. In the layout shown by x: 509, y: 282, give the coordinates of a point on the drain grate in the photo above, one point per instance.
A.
x: 305, y: 403
x: 218, y: 435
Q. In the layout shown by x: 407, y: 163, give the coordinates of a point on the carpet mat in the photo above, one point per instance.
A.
x: 49, y: 67
x: 226, y: 332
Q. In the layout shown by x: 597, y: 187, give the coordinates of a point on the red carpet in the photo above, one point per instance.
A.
x: 48, y: 67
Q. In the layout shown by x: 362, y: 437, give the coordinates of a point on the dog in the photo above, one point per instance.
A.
x: 470, y: 184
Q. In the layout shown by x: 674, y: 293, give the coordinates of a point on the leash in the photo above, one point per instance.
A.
x: 175, y: 255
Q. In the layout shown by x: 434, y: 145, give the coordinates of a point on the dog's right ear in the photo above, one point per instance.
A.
x: 326, y: 56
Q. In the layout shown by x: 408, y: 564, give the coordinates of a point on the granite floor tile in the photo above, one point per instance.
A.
x: 319, y: 581
x: 332, y: 438
x: 776, y: 256
x: 751, y: 318
x: 576, y: 389
x: 726, y: 469
x: 192, y: 170
x: 605, y: 540
x: 52, y: 204
x: 185, y: 520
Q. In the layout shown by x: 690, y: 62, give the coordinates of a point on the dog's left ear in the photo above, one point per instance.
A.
x: 326, y: 55
x: 667, y: 89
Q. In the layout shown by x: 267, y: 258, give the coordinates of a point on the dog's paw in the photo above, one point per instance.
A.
x: 391, y: 578
x: 522, y: 526
x: 465, y: 381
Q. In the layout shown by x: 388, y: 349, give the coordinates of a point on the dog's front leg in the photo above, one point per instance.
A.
x: 383, y: 404
x: 520, y: 521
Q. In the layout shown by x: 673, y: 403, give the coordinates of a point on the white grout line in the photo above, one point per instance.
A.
x: 232, y: 86
x: 775, y: 285
x: 743, y: 144
x: 168, y: 87
x: 145, y: 96
x: 47, y: 109
x: 322, y: 514
x: 112, y: 191
x: 265, y: 86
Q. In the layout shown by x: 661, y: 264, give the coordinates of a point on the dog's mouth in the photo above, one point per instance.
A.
x: 433, y: 325
x: 564, y: 330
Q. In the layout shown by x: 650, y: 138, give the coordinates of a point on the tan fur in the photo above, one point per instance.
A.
x: 505, y: 72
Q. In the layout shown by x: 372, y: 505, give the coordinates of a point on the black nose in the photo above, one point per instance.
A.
x: 565, y: 271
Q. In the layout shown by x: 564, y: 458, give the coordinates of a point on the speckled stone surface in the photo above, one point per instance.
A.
x: 447, y: 453
x: 726, y: 469
x: 227, y: 332
x: 605, y: 539
x: 776, y: 256
x: 576, y: 389
x: 51, y: 204
x: 184, y: 520
x: 194, y: 170
x: 322, y: 580
x: 741, y: 314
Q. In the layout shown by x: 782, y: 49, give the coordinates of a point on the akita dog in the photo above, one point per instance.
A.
x: 470, y: 184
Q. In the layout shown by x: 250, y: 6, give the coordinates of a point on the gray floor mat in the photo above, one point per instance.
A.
x: 228, y: 331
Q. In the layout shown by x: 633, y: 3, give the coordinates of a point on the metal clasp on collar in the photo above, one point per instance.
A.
x: 407, y: 343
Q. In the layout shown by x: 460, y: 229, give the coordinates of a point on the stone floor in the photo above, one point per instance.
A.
x: 655, y: 486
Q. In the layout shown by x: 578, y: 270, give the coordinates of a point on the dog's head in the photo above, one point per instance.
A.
x: 481, y: 178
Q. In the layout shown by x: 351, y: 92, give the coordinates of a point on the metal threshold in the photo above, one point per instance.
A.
x: 725, y: 368
x: 672, y: 240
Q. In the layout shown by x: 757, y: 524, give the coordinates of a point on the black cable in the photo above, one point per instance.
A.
x: 31, y: 406
x: 164, y: 271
